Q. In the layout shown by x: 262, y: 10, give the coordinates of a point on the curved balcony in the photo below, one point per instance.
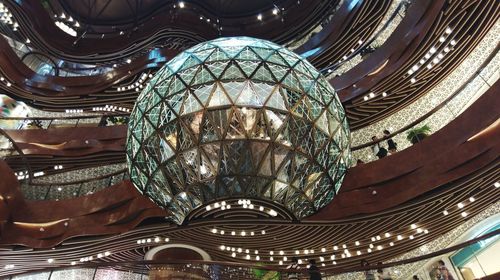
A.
x: 456, y: 162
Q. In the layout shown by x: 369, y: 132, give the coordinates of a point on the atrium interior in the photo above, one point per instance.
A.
x: 264, y: 139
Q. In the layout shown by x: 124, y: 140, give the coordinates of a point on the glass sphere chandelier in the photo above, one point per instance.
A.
x: 238, y: 117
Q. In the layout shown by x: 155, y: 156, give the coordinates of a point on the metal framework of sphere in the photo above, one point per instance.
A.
x: 238, y: 117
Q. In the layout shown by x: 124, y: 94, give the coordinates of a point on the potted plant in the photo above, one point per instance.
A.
x: 418, y: 134
x: 117, y: 120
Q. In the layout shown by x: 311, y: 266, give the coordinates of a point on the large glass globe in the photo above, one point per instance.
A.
x: 238, y: 117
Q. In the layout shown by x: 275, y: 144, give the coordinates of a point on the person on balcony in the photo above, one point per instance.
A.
x: 369, y: 275
x: 377, y: 149
x: 444, y: 273
x: 391, y: 145
x: 314, y: 273
x: 383, y: 273
x: 293, y: 266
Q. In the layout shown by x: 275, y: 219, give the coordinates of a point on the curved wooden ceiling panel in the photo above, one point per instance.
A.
x: 442, y: 158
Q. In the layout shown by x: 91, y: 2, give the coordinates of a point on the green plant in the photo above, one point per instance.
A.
x: 417, y: 134
x: 118, y: 120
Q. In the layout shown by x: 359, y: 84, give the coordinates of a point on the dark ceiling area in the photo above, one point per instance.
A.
x: 133, y: 127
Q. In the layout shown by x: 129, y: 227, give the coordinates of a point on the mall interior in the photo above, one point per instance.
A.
x: 263, y: 139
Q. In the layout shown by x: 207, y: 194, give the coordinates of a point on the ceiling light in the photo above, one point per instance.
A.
x: 410, y: 72
x: 411, y: 237
x: 419, y: 230
x: 332, y: 257
x: 257, y: 258
x: 129, y: 61
x: 497, y: 184
x: 379, y: 247
x: 400, y: 237
x: 441, y: 39
x: 222, y: 247
x: 464, y: 214
x: 323, y: 250
x: 259, y: 17
x: 263, y: 232
x: 413, y: 80
x: 356, y: 243
x: 335, y: 247
x: 413, y: 226
x: 282, y: 253
x: 448, y: 30
x: 233, y: 255
x: 432, y: 50
x: 369, y: 250
x: 472, y: 199
x: 271, y: 259
x: 387, y: 235
x: 378, y: 237
x: 391, y: 244
x: 453, y: 42
x: 371, y: 246
x: 50, y: 260
x: 271, y: 253
x: 414, y: 68
x: 275, y: 11
x: 426, y: 231
x: 181, y: 4
x: 280, y: 262
x: 445, y: 212
x: 460, y: 205
x: 297, y: 252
